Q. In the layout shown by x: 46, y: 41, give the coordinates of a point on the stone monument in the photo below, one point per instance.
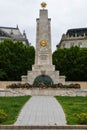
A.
x: 43, y: 53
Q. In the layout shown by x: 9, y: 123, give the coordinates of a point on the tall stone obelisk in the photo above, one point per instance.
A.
x: 43, y: 53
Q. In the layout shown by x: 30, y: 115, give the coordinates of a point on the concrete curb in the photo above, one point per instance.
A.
x: 67, y: 127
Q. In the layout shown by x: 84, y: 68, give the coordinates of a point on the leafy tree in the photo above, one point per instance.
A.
x: 72, y: 63
x: 15, y: 59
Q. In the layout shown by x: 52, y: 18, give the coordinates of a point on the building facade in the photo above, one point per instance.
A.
x: 13, y: 34
x: 74, y: 37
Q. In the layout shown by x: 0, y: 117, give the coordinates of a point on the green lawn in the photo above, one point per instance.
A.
x: 12, y: 106
x: 72, y: 105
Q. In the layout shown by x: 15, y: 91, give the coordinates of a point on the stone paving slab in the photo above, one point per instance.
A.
x: 42, y: 111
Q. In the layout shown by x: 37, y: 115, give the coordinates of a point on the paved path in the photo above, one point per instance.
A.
x: 41, y: 110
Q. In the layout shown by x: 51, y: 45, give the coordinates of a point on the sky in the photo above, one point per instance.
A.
x: 64, y: 14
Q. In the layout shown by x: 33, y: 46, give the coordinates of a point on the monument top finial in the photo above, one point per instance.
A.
x: 43, y: 5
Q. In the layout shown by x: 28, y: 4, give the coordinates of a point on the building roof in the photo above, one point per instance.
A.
x: 78, y: 31
x: 3, y: 34
x: 13, y: 33
x: 9, y: 27
x: 73, y: 33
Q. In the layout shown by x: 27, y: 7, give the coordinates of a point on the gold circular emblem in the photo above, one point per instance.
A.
x: 43, y: 43
x: 43, y: 5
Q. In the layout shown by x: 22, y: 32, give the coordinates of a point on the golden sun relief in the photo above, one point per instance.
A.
x: 43, y: 43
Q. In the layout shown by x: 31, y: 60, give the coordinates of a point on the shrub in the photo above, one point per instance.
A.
x: 71, y: 86
x: 14, y: 86
x: 27, y: 85
x: 54, y: 86
x: 43, y: 85
x: 40, y: 85
x: 60, y: 85
x: 3, y: 116
x: 77, y: 86
x: 82, y: 118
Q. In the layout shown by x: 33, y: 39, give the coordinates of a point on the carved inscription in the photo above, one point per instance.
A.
x: 43, y: 57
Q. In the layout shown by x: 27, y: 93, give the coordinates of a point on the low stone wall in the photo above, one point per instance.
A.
x: 3, y: 84
x: 8, y: 92
x: 67, y: 127
x: 43, y: 92
x: 57, y: 92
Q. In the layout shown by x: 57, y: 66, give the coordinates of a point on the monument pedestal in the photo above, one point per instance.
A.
x: 31, y: 76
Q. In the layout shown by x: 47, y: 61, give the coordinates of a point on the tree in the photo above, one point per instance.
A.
x: 72, y: 63
x: 15, y: 59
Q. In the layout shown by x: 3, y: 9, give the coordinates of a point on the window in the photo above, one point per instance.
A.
x: 72, y: 44
x: 63, y: 45
x: 80, y: 44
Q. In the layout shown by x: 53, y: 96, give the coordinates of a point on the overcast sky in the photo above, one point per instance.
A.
x: 64, y: 14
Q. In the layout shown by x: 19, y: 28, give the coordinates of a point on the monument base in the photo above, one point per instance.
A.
x: 54, y: 75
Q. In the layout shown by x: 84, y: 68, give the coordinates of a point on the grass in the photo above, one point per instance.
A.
x: 72, y: 105
x: 12, y: 106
